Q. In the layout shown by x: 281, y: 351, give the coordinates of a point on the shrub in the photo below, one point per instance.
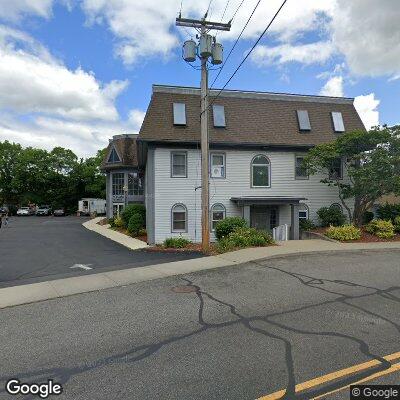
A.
x: 368, y: 217
x: 389, y: 211
x: 344, y: 232
x: 111, y: 222
x: 142, y: 232
x: 381, y: 228
x: 118, y: 222
x: 244, y: 237
x: 132, y: 209
x: 331, y: 216
x: 176, y: 243
x: 228, y: 225
x: 135, y: 224
x: 306, y: 225
x: 396, y: 224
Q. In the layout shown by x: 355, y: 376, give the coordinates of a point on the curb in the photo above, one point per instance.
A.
x: 25, y: 294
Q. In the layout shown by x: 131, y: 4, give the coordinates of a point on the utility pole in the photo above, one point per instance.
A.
x: 206, y: 48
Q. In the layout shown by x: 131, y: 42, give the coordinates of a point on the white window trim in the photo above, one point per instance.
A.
x: 306, y: 210
x: 251, y: 172
x: 172, y: 219
x: 172, y: 164
x: 109, y: 155
x: 212, y: 217
x: 224, y: 165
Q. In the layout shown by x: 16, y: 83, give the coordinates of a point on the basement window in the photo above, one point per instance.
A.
x: 219, y: 116
x: 179, y: 113
x: 337, y: 119
x: 303, y: 120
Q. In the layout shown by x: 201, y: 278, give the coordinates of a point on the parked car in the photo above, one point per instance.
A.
x: 43, y: 210
x: 24, y: 211
x: 59, y: 212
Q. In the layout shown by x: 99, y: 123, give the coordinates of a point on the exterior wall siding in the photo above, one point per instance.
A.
x: 169, y: 191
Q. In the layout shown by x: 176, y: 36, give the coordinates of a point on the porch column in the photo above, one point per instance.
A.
x: 295, y: 230
x: 246, y: 214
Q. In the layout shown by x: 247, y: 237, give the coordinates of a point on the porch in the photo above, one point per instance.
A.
x: 267, y: 212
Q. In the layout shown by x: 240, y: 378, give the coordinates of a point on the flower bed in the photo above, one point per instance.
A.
x: 365, y: 236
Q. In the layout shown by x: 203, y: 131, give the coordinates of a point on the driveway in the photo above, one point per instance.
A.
x: 235, y: 333
x: 34, y: 249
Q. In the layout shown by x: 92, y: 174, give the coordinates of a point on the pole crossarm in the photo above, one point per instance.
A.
x: 195, y: 23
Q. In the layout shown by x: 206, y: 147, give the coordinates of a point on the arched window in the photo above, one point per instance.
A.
x: 303, y: 211
x: 260, y: 171
x: 179, y: 218
x: 218, y: 213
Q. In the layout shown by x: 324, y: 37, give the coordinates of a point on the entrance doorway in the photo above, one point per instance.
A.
x: 264, y: 217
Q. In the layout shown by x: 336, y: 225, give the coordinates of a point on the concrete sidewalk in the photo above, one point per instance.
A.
x: 17, y: 295
x: 127, y: 241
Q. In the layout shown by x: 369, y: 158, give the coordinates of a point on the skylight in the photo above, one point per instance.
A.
x: 179, y: 114
x: 219, y: 116
x: 337, y: 119
x: 304, y: 120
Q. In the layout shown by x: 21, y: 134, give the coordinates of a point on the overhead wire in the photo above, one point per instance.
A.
x: 248, y: 54
x: 236, y: 42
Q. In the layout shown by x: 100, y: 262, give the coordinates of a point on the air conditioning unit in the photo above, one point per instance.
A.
x: 217, y: 172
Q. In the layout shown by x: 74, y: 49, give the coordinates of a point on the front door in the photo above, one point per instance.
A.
x: 263, y: 217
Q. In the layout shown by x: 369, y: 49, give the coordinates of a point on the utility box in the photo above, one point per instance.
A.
x: 90, y: 206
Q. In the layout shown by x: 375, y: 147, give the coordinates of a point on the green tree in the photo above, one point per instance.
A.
x: 372, y: 162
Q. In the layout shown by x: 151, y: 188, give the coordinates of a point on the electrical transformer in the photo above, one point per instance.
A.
x: 217, y: 53
x: 205, y: 45
x: 189, y: 50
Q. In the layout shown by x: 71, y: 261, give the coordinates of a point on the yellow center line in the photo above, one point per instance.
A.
x: 334, y: 375
x: 393, y: 368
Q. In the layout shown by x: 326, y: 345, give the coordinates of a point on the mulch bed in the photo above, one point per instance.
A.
x: 365, y: 237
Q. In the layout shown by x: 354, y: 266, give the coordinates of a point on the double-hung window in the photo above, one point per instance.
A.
x: 217, y: 165
x: 117, y: 184
x: 300, y: 169
x: 179, y: 218
x: 179, y: 164
x: 135, y: 184
x: 260, y: 171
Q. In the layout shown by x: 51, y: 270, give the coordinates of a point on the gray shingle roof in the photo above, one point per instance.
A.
x: 251, y: 117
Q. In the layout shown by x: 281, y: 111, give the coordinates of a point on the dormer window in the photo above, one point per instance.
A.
x: 113, y: 157
x: 179, y: 113
x: 303, y: 120
x: 219, y: 116
x: 337, y: 119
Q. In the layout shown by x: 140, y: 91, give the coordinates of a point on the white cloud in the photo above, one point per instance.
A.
x: 147, y: 28
x: 366, y: 106
x: 136, y: 118
x: 367, y: 33
x: 333, y: 87
x: 44, y: 104
x: 311, y: 53
x: 32, y: 81
x: 15, y: 9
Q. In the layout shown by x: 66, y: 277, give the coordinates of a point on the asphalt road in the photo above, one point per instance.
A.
x: 34, y: 249
x: 244, y: 332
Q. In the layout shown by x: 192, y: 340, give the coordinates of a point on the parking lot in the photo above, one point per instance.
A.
x: 34, y: 249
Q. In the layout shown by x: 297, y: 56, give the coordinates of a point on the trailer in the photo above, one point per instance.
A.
x: 90, y: 206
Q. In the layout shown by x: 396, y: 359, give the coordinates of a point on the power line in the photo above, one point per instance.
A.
x: 234, y: 14
x: 248, y: 54
x: 208, y: 8
x: 226, y: 6
x: 234, y: 45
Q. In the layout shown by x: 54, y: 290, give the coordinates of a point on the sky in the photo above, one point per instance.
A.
x: 73, y: 73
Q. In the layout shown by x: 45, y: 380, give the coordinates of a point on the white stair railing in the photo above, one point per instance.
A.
x: 281, y: 233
